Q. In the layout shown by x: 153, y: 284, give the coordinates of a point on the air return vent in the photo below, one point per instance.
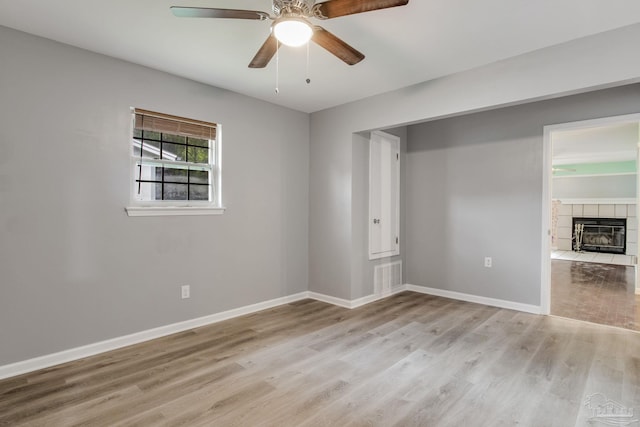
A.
x: 386, y: 277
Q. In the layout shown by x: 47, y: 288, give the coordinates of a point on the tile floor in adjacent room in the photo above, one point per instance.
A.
x: 595, y: 292
x: 594, y: 257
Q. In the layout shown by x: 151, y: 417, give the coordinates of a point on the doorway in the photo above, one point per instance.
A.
x: 590, y: 170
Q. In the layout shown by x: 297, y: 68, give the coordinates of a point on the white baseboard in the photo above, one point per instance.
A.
x: 527, y: 308
x: 70, y: 355
x: 345, y: 303
x: 372, y: 298
x: 340, y: 302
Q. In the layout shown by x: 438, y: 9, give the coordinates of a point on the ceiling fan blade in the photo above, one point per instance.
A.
x: 336, y: 46
x: 265, y: 53
x: 206, y: 12
x: 335, y: 8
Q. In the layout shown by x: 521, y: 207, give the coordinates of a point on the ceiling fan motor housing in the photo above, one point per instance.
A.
x: 293, y: 7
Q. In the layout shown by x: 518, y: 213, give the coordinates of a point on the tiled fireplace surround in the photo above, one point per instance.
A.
x: 565, y: 213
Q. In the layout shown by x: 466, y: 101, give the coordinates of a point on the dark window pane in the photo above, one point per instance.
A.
x: 173, y: 151
x: 174, y: 138
x: 147, y: 134
x: 199, y: 177
x: 137, y: 133
x: 175, y: 175
x: 175, y: 192
x: 198, y: 142
x: 199, y: 192
x: 198, y: 155
x: 150, y: 179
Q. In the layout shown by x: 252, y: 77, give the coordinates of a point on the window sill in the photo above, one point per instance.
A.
x: 173, y: 210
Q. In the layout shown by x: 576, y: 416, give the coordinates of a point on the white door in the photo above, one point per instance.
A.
x: 384, y: 195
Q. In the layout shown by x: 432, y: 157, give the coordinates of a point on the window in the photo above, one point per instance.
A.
x: 175, y: 165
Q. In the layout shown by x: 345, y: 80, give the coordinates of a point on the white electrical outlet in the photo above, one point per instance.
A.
x: 487, y: 261
x: 186, y: 291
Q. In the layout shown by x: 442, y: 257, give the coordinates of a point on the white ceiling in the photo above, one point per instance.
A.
x: 403, y: 46
x: 610, y: 143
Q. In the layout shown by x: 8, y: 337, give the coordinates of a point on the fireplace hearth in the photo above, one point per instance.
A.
x: 606, y: 235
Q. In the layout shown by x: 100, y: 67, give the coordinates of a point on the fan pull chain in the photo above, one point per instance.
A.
x: 308, y: 79
x: 277, y: 68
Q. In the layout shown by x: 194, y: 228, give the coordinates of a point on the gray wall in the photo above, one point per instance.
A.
x: 474, y: 189
x: 577, y: 66
x: 69, y: 256
x: 590, y: 187
x: 74, y: 268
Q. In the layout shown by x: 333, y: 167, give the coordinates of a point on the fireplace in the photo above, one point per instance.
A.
x: 607, y: 235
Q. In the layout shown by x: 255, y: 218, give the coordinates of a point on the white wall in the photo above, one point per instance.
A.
x: 577, y: 66
x: 74, y: 268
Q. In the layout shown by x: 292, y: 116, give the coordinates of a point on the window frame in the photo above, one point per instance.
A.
x: 213, y: 206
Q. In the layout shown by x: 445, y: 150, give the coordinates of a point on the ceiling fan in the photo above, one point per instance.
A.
x: 291, y: 24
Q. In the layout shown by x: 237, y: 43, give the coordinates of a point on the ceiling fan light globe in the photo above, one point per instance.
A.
x: 292, y: 32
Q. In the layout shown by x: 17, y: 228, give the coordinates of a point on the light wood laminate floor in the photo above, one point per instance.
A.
x: 408, y: 360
